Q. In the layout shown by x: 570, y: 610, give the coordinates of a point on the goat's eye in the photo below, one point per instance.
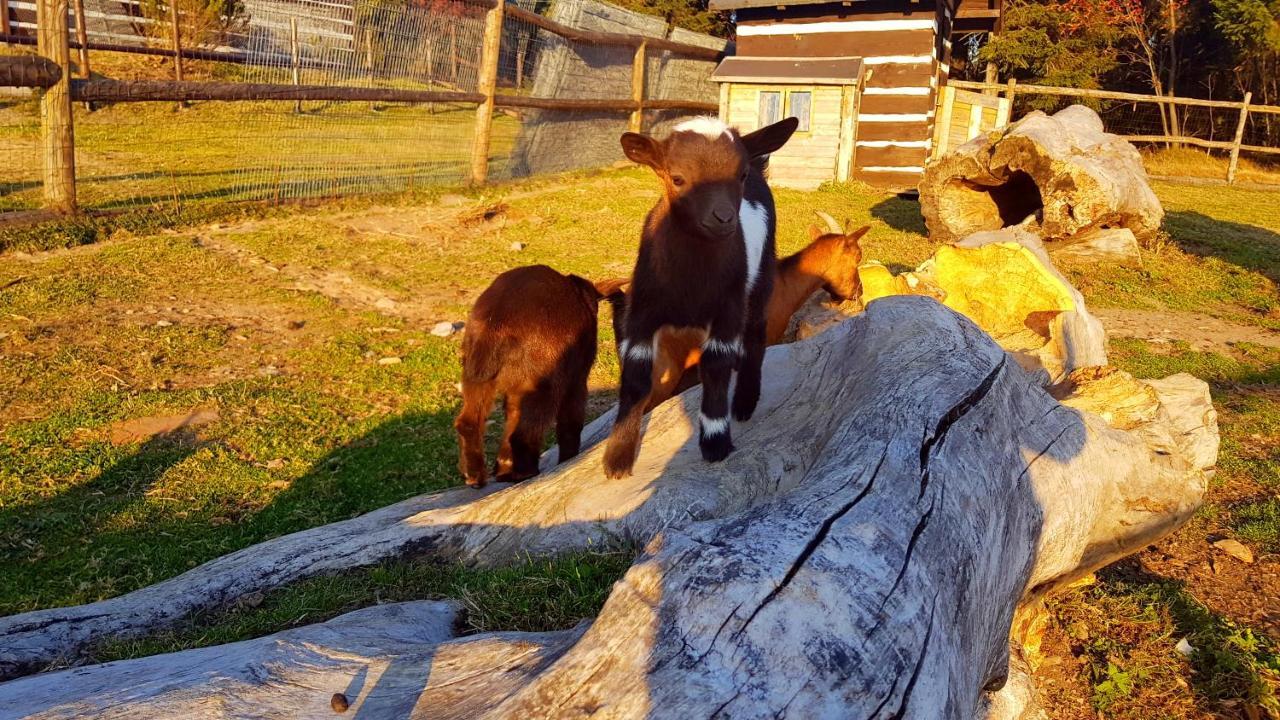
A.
x: 677, y: 180
x: 744, y: 176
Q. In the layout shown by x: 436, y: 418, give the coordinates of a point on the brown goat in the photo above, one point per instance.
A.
x: 829, y: 262
x: 532, y: 338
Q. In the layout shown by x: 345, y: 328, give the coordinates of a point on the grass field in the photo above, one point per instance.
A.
x: 307, y: 333
x: 151, y: 154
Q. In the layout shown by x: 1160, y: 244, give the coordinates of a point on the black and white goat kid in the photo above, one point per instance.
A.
x: 706, y: 261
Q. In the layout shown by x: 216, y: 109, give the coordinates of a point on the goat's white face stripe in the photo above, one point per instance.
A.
x: 713, y: 426
x: 712, y: 128
x: 754, y: 220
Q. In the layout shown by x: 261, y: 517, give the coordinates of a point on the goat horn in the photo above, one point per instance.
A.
x: 832, y: 225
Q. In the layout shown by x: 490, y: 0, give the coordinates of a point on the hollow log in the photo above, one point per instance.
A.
x: 904, y: 488
x: 1063, y: 170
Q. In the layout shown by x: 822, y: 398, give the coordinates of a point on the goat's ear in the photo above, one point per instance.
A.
x: 815, y: 232
x: 642, y: 149
x: 770, y: 137
x: 853, y: 237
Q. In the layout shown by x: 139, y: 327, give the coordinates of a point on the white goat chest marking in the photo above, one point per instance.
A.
x: 754, y: 220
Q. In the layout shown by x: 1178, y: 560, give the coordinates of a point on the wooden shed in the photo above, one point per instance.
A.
x: 902, y: 48
x: 822, y: 93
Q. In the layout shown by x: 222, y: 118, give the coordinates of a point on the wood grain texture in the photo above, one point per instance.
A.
x: 904, y: 488
x: 1062, y: 169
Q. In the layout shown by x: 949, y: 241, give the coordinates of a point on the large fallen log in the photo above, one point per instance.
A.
x: 1063, y: 170
x: 912, y: 487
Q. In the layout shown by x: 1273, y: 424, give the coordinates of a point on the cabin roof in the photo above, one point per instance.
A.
x: 789, y: 70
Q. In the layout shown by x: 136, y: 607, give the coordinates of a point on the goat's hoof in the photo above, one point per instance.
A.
x: 716, y: 447
x: 475, y: 482
x: 616, y: 470
x: 742, y: 411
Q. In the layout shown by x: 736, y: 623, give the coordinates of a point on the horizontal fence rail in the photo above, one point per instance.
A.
x: 1174, y: 133
x: 540, y: 75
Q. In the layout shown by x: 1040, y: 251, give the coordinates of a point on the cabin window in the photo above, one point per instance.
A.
x: 798, y: 107
x: 770, y: 107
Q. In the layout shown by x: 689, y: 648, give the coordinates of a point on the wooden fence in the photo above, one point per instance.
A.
x: 1010, y: 90
x: 54, y: 74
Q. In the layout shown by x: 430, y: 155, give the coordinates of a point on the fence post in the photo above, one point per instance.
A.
x: 177, y: 44
x: 637, y: 87
x: 293, y: 52
x: 4, y: 18
x: 521, y: 50
x: 82, y: 37
x: 56, y: 127
x: 486, y: 84
x: 1009, y: 93
x: 453, y: 53
x: 942, y: 121
x: 1235, y: 144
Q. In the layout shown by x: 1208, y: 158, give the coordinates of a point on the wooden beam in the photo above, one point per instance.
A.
x: 5, y: 28
x: 165, y: 91
x: 57, y: 133
x: 1235, y: 144
x: 28, y: 71
x: 846, y: 147
x: 486, y: 84
x: 1101, y: 94
x: 82, y: 36
x: 637, y: 88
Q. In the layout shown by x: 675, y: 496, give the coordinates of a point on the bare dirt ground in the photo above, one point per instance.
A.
x: 1200, y: 331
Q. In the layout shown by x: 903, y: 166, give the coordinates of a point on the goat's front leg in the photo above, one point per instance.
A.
x: 720, y: 355
x: 746, y: 394
x: 636, y: 353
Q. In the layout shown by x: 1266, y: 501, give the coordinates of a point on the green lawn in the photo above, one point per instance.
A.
x: 313, y: 428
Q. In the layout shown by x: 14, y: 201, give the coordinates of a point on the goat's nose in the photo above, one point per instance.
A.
x: 724, y: 215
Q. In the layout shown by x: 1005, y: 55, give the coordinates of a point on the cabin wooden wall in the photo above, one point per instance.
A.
x: 809, y: 158
x: 900, y: 47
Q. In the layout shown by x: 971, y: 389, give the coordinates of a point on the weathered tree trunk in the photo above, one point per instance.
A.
x: 1004, y: 281
x: 1063, y: 170
x: 903, y: 489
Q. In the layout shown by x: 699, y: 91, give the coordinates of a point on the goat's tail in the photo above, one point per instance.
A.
x: 481, y: 359
x: 613, y: 290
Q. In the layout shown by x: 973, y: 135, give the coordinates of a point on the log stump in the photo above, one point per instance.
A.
x: 1061, y: 170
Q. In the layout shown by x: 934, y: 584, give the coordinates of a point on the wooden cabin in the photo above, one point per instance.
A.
x: 900, y: 51
x: 822, y: 93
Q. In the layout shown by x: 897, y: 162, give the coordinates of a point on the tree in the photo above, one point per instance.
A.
x: 1053, y: 43
x: 1251, y: 31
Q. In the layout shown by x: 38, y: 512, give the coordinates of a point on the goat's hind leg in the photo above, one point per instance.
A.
x: 570, y: 418
x: 477, y: 403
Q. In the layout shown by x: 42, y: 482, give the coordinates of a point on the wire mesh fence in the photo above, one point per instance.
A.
x: 169, y: 155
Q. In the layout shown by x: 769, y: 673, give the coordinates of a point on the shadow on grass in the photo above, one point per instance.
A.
x: 1230, y: 663
x: 902, y: 213
x: 71, y: 517
x: 1247, y: 246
